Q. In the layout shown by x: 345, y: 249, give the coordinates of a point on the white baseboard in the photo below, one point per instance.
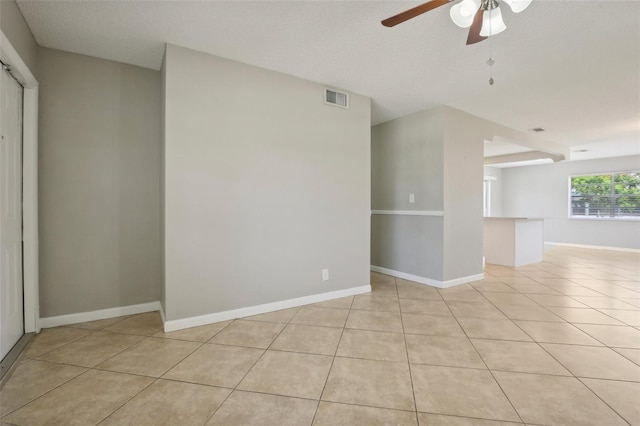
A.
x: 631, y: 250
x: 162, y: 315
x: 99, y: 315
x: 463, y: 280
x: 182, y: 323
x: 427, y: 281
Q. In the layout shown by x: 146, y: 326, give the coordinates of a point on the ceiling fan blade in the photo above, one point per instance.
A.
x: 476, y: 26
x: 412, y: 13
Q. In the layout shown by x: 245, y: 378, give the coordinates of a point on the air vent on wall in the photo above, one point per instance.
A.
x: 339, y: 99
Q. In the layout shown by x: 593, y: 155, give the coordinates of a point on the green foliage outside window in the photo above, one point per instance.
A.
x: 608, y: 195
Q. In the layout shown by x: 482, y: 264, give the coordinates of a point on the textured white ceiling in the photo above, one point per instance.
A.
x: 571, y: 67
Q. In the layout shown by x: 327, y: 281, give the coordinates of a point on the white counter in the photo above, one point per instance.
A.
x: 513, y: 241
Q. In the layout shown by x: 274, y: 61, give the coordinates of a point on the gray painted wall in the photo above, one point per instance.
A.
x: 99, y: 183
x: 463, y: 163
x: 407, y: 157
x: 409, y: 244
x: 17, y: 31
x: 265, y: 186
x: 438, y: 155
x: 543, y: 191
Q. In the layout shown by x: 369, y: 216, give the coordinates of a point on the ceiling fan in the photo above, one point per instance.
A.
x: 483, y: 16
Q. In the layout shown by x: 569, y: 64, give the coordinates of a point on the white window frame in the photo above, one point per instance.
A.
x: 601, y: 218
x: 486, y: 195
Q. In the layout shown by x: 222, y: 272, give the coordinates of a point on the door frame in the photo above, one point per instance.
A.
x: 30, y: 278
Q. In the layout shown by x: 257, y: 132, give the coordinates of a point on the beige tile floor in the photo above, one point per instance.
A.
x: 556, y: 342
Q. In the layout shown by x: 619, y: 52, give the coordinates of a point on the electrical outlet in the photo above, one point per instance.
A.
x: 412, y: 198
x: 325, y: 275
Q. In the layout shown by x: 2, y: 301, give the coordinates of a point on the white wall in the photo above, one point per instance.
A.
x: 543, y: 191
x: 265, y: 186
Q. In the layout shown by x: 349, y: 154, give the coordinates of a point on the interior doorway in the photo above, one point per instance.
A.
x: 29, y: 299
x: 11, y: 266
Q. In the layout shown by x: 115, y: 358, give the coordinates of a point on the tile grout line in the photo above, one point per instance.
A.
x: 47, y: 392
x: 603, y: 401
x: 333, y: 359
x: 90, y: 332
x: 87, y: 369
x: 538, y: 342
x: 265, y: 350
x: 485, y: 364
x: 579, y: 378
x: 155, y: 379
x: 219, y: 331
x: 96, y: 368
x: 235, y: 387
x: 118, y: 353
x: 484, y: 419
x: 531, y: 337
x: 406, y: 349
x: 565, y: 367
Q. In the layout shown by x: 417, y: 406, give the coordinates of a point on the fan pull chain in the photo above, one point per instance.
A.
x: 490, y: 61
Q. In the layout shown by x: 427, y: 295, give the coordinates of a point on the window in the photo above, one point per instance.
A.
x: 611, y: 195
x: 486, y: 199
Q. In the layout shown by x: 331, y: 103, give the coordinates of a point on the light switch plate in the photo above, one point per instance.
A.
x: 325, y: 275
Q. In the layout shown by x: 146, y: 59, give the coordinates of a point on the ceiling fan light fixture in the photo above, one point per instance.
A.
x: 518, y: 6
x: 492, y: 23
x: 463, y: 12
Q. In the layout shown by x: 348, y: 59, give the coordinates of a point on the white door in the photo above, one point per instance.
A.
x: 11, y: 302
